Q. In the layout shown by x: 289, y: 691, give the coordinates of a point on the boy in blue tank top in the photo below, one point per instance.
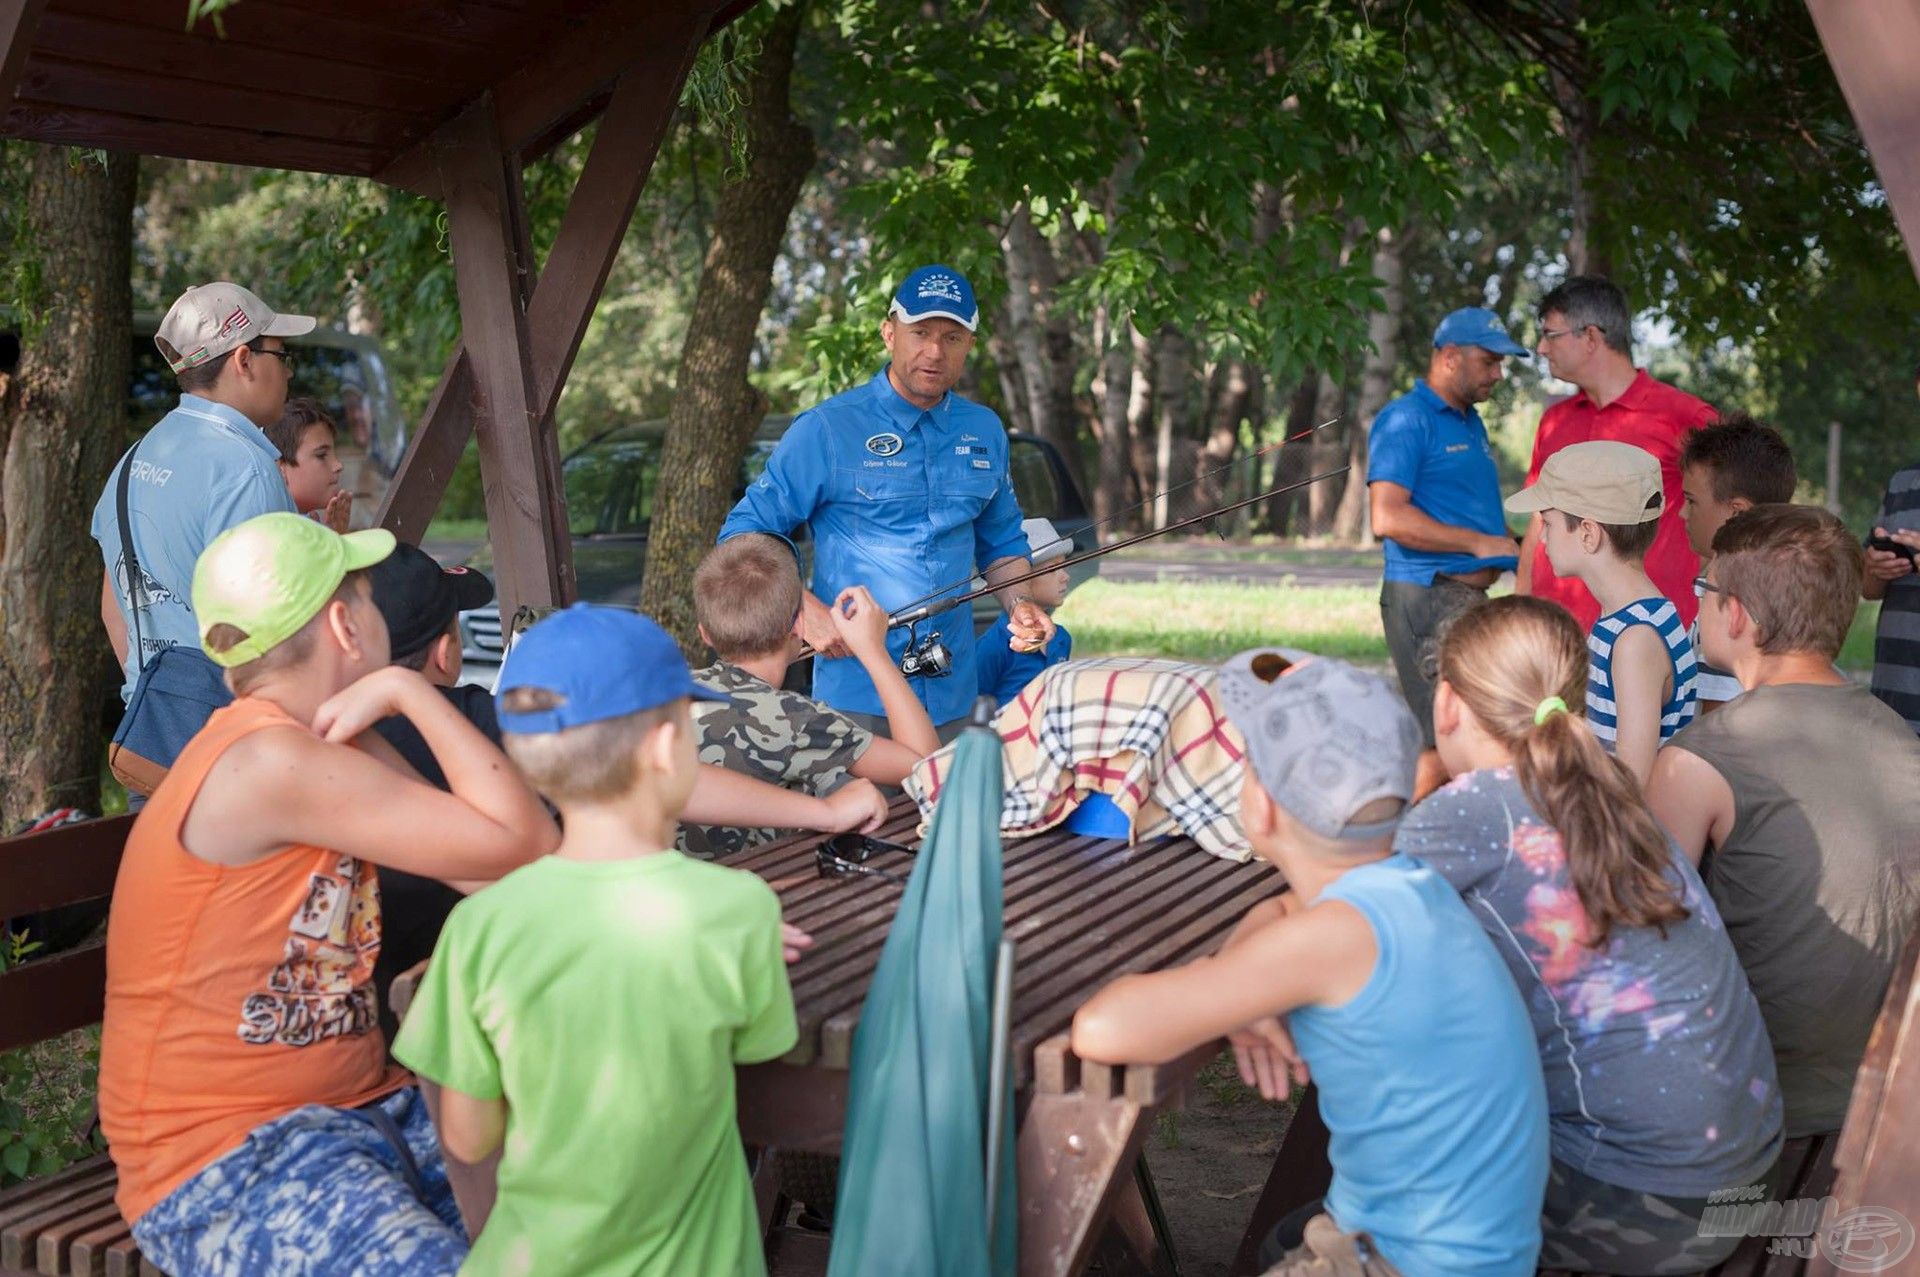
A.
x: 1600, y: 505
x: 1369, y: 976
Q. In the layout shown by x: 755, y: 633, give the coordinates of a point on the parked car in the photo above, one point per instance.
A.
x: 610, y: 483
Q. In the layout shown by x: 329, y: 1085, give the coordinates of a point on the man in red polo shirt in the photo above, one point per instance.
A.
x: 1585, y: 337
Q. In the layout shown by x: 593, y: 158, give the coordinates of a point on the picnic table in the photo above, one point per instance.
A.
x: 1080, y: 911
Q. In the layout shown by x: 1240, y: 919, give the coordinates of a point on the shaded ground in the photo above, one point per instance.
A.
x: 1210, y: 1161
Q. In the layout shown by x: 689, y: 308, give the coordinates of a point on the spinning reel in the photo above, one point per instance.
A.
x: 927, y: 657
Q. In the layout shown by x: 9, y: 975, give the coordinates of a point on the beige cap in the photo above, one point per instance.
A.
x: 208, y: 320
x: 1604, y: 481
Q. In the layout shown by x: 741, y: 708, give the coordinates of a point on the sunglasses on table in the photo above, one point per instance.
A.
x: 845, y: 855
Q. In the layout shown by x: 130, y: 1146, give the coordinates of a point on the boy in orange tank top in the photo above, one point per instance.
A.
x: 244, y: 1085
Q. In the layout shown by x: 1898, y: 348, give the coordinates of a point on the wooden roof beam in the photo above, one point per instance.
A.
x: 568, y: 289
x: 19, y: 19
x: 549, y: 90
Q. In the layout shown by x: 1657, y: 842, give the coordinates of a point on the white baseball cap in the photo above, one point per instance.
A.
x: 209, y: 320
x: 1044, y: 540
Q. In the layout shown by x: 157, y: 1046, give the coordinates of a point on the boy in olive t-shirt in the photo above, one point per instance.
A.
x: 585, y: 1016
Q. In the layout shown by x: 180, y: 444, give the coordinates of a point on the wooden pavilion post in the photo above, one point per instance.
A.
x: 490, y: 254
x: 1871, y: 45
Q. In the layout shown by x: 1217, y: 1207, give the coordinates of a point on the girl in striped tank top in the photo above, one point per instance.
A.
x: 1599, y: 506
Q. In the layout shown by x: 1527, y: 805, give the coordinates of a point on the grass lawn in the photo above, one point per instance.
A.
x: 1210, y: 622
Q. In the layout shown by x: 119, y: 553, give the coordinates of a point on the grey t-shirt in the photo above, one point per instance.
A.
x: 1820, y: 876
x: 1659, y: 1077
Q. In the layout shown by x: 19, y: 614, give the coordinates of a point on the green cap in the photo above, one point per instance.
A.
x: 271, y: 575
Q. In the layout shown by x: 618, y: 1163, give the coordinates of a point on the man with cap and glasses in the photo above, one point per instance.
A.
x: 204, y: 467
x: 1434, y: 494
x: 905, y: 489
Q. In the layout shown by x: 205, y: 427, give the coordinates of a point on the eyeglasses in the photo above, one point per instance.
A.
x: 846, y: 854
x: 1703, y: 587
x: 1548, y: 334
x: 284, y: 356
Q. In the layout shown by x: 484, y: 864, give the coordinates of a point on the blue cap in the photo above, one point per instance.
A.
x: 603, y: 662
x: 936, y: 292
x: 1476, y: 326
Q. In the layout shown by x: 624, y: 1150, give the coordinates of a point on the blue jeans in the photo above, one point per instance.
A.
x: 314, y: 1193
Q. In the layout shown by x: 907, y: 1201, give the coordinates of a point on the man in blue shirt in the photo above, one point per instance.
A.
x: 1435, y: 499
x: 203, y: 468
x: 904, y: 486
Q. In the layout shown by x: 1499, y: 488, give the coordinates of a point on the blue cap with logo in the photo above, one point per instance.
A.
x: 602, y: 662
x: 936, y: 292
x: 1476, y: 326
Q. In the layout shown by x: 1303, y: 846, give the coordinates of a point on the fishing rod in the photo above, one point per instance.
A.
x: 1036, y: 552
x: 930, y: 657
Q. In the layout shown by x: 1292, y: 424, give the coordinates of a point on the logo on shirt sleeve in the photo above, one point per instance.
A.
x: 884, y: 445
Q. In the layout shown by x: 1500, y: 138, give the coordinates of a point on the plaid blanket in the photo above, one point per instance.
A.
x: 1149, y: 734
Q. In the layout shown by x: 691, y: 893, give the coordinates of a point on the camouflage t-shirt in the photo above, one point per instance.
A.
x: 771, y: 734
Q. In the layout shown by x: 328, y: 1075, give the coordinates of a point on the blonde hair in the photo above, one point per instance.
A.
x: 292, y: 650
x: 746, y: 593
x: 591, y: 763
x: 1504, y: 658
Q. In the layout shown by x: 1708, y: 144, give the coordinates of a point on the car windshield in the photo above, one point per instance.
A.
x: 610, y: 484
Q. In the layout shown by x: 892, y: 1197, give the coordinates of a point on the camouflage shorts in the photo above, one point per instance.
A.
x: 1589, y: 1225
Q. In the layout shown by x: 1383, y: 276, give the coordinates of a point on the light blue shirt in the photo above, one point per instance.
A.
x: 906, y: 501
x: 202, y: 469
x: 1430, y: 1085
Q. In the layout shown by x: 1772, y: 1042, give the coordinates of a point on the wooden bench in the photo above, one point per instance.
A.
x: 67, y: 1222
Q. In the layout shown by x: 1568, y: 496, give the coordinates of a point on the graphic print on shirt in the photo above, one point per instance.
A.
x: 323, y: 986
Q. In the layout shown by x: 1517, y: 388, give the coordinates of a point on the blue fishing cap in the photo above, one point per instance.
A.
x: 1476, y: 326
x: 936, y: 292
x: 603, y: 662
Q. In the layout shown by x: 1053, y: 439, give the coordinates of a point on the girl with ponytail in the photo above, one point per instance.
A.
x: 1660, y: 1079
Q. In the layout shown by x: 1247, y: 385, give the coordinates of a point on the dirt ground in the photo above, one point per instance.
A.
x: 1210, y: 1161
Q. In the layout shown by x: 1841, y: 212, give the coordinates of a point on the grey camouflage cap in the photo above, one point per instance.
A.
x: 1324, y: 739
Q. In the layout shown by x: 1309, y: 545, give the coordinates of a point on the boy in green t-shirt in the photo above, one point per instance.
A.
x: 585, y: 1018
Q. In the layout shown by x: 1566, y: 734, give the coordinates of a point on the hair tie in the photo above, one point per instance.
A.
x: 1547, y: 709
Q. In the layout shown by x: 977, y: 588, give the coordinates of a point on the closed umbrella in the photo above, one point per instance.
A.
x: 913, y: 1182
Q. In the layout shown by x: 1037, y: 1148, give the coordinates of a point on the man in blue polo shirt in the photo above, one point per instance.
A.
x: 1435, y: 497
x: 904, y: 486
x: 203, y: 468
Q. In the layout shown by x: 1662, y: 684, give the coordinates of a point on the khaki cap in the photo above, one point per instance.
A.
x: 208, y: 320
x: 1604, y: 481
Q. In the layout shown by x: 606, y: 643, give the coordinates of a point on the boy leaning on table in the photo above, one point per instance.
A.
x: 1429, y: 1077
x: 585, y: 1018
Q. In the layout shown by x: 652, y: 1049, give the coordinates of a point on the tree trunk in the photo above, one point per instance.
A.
x: 1173, y: 418
x: 1041, y: 338
x: 1113, y: 493
x: 67, y: 416
x: 1140, y: 399
x: 1329, y: 448
x: 715, y: 408
x: 1233, y: 394
x: 1288, y: 459
x: 1580, y: 122
x: 1351, y: 522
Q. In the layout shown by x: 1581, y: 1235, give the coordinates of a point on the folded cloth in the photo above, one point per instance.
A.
x: 1151, y: 735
